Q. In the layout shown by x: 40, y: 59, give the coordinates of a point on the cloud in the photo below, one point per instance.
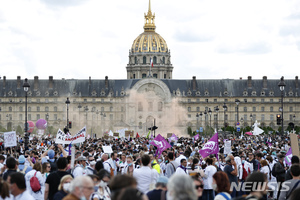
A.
x: 192, y: 36
x: 252, y: 48
x: 63, y: 3
x: 293, y: 30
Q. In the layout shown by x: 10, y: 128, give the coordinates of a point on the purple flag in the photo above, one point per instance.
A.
x: 196, y: 136
x: 210, y: 147
x: 288, y: 157
x: 173, y: 137
x: 269, y: 143
x: 160, y: 143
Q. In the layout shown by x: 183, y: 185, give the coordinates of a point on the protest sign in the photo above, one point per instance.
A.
x: 227, y: 147
x: 10, y: 139
x: 62, y: 138
x: 107, y: 149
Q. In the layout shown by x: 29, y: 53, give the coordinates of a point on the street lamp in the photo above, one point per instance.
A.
x: 86, y: 109
x: 281, y: 86
x: 209, y: 112
x: 26, y: 87
x: 197, y: 115
x: 79, y: 107
x: 205, y: 115
x: 201, y: 117
x: 68, y: 102
x: 225, y: 109
x: 47, y: 117
x: 237, y: 110
x: 251, y: 117
x: 217, y: 111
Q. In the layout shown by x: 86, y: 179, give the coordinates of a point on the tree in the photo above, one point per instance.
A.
x: 189, y: 131
x: 19, y: 130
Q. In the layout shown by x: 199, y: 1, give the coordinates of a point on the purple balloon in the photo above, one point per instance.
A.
x: 41, y: 124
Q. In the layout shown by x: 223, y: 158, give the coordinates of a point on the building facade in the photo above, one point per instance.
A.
x: 149, y: 95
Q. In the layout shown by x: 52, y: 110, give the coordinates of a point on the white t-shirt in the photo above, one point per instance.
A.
x: 266, y: 171
x: 207, y: 179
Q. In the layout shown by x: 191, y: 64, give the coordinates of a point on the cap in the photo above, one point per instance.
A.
x: 21, y: 159
x: 80, y: 158
x: 51, y: 154
x: 162, y: 179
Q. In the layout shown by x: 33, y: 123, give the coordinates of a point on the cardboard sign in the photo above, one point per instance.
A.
x: 107, y: 149
x: 116, y: 134
x: 227, y: 147
x: 10, y: 139
x: 295, y: 144
x: 127, y: 133
x: 105, y: 137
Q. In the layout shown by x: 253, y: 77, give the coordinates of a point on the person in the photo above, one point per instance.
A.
x: 91, y: 168
x: 194, y: 168
x: 210, y: 170
x: 51, y: 160
x: 98, y: 166
x: 122, y: 164
x: 171, y: 166
x: 258, y: 182
x: 4, y: 190
x: 120, y: 182
x: 221, y: 185
x: 291, y: 184
x: 295, y: 194
x: 253, y: 161
x: 180, y: 157
x: 107, y: 165
x: 46, y: 167
x: 53, y: 180
x: 294, y: 160
x: 199, y: 186
x: 129, y: 168
x: 181, y: 169
x: 17, y: 186
x: 279, y: 170
x: 159, y: 193
x: 181, y: 187
x: 145, y: 176
x: 103, y: 191
x: 63, y: 188
x: 231, y: 170
x: 11, y: 165
x: 24, y: 169
x: 80, y: 168
x: 130, y: 193
x: 36, y: 171
x: 81, y: 187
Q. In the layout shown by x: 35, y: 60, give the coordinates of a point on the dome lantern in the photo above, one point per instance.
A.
x: 149, y: 19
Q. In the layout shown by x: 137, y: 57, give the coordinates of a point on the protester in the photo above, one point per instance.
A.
x: 4, y: 191
x: 181, y: 187
x: 24, y: 169
x: 80, y: 168
x: 11, y: 165
x: 103, y: 191
x: 130, y: 166
x: 231, y: 170
x: 181, y: 169
x: 210, y: 170
x: 159, y: 193
x: 63, y: 188
x: 221, y: 185
x: 81, y: 187
x: 171, y: 166
x: 291, y: 184
x: 46, y: 167
x: 17, y: 186
x: 294, y: 160
x: 279, y: 170
x: 199, y: 186
x: 35, y: 172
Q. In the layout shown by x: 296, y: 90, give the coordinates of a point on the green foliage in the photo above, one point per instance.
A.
x: 2, y: 129
x: 19, y: 130
x: 189, y: 131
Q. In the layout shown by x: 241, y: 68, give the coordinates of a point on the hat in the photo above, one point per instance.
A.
x: 92, y: 163
x: 162, y: 179
x: 51, y: 154
x: 80, y: 158
x: 22, y: 159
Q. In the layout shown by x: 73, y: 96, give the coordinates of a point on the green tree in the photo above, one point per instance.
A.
x: 189, y: 130
x: 19, y: 130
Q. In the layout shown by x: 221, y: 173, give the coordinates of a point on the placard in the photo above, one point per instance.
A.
x: 128, y: 132
x: 107, y: 149
x: 227, y: 147
x: 295, y: 144
x: 62, y: 138
x: 116, y: 134
x: 10, y: 139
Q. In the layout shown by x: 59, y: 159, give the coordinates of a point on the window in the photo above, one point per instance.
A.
x: 135, y: 60
x: 122, y: 117
x: 189, y: 100
x: 122, y: 109
x: 262, y: 100
x: 144, y: 60
x: 163, y: 60
x: 198, y: 109
x: 94, y: 100
x: 140, y: 106
x: 38, y: 108
x: 254, y: 117
x: 38, y: 100
x: 271, y: 117
x: 144, y: 75
x: 291, y: 100
x: 271, y: 100
x: 198, y: 100
x: 20, y: 117
x: 55, y: 116
x: 263, y: 109
x: 111, y: 109
x: 46, y: 100
x: 189, y: 109
x: 102, y: 109
x: 226, y: 117
x: 271, y: 109
x: 10, y: 109
x: 29, y: 116
x: 20, y: 108
x: 262, y: 117
x: 84, y: 100
x: 133, y: 76
x: 245, y: 109
x: 215, y: 117
x: 206, y: 100
x: 154, y: 75
x: 111, y: 116
x: 150, y: 106
x: 165, y: 76
x: 291, y: 118
x: 29, y: 109
x: 46, y: 109
x: 140, y: 125
x: 253, y: 100
x: 291, y: 109
x: 245, y: 100
x: 55, y: 109
x: 215, y: 100
x: 245, y: 117
x: 189, y: 116
x: 254, y: 109
x: 38, y: 116
x: 154, y: 60
x: 159, y: 106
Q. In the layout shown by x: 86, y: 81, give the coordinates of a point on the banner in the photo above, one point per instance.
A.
x: 211, y: 147
x: 62, y: 138
x: 227, y: 147
x: 10, y: 139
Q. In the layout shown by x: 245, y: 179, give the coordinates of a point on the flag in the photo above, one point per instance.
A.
x: 137, y: 135
x: 210, y: 147
x: 173, y: 138
x: 269, y: 143
x: 148, y: 134
x: 151, y: 62
x: 288, y: 157
x: 196, y: 137
x: 160, y: 143
x: 70, y: 145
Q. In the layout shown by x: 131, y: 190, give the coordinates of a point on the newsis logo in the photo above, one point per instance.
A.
x: 259, y: 187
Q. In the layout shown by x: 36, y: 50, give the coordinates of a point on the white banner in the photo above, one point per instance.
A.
x: 227, y: 147
x: 10, y: 139
x: 62, y: 138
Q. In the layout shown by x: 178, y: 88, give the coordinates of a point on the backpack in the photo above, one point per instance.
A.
x: 34, y: 183
x: 274, y: 171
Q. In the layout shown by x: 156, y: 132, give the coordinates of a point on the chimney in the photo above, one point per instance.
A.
x: 265, y: 82
x: 194, y: 83
x: 106, y: 82
x: 90, y: 80
x: 50, y: 82
x: 18, y: 82
x: 4, y: 81
x: 249, y: 83
x: 296, y: 82
x: 36, y: 83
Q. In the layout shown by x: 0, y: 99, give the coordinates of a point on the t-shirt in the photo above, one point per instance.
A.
x: 228, y: 169
x: 54, y: 180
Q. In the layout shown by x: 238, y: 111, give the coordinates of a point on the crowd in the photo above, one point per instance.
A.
x: 254, y: 169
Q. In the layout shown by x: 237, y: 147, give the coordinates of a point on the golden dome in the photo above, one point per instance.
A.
x: 149, y: 40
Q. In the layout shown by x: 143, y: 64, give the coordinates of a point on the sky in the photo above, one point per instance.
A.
x: 209, y: 39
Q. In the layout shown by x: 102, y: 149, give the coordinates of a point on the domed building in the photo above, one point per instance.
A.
x: 149, y: 46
